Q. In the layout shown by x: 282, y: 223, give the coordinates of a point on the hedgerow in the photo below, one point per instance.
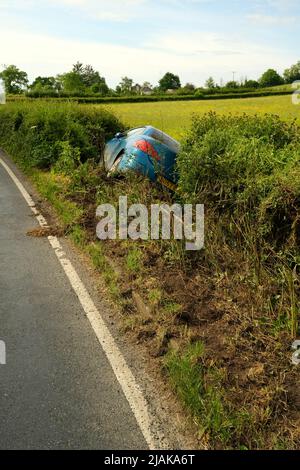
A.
x: 36, y: 134
x: 245, y: 165
x: 229, y: 94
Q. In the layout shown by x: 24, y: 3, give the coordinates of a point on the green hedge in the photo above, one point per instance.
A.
x: 150, y: 99
x: 38, y: 134
x: 247, y: 167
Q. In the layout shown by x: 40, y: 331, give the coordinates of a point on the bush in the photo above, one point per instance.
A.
x: 39, y: 134
x: 246, y: 166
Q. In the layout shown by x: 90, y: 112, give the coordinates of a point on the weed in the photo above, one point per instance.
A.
x: 134, y: 260
x: 155, y: 296
x: 78, y: 235
x: 201, y: 391
x: 53, y: 188
x: 108, y: 273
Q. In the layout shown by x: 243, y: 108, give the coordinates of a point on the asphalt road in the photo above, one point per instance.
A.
x: 57, y: 389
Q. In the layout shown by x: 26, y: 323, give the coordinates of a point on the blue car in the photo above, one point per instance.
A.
x: 144, y: 150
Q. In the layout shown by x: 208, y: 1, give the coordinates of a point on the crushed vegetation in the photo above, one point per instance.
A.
x: 221, y: 321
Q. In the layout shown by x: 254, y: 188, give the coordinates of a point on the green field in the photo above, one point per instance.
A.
x: 174, y: 117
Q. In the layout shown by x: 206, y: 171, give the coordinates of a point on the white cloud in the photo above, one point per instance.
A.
x: 107, y: 10
x: 193, y: 57
x: 278, y: 4
x: 17, y: 4
x: 272, y: 19
x: 112, y: 10
x: 195, y: 43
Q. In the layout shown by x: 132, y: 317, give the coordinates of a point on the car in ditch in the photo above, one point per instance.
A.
x: 145, y: 150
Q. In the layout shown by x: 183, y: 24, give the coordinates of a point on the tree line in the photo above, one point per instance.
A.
x: 85, y: 80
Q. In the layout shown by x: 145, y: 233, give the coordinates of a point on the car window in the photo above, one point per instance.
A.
x: 165, y: 139
x: 137, y: 131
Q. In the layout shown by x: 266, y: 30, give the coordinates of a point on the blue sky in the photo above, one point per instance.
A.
x: 143, y: 39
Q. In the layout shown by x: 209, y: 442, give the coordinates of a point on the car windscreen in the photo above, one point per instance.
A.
x: 136, y: 131
x: 165, y: 139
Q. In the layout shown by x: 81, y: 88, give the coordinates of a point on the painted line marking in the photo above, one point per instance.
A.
x: 125, y: 377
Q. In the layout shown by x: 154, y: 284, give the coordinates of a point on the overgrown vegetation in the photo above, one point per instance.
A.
x: 41, y: 134
x: 220, y: 321
x: 248, y: 169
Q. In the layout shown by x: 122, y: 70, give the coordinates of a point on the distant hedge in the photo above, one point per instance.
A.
x: 150, y: 99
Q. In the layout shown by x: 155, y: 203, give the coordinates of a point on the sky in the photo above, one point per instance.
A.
x: 144, y: 39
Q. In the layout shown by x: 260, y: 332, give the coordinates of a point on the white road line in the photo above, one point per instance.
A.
x: 118, y: 363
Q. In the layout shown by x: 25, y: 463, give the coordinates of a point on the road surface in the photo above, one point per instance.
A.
x: 57, y: 388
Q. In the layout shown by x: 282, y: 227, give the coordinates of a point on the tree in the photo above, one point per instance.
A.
x: 232, y: 84
x: 292, y: 74
x: 125, y: 85
x: 210, y: 83
x: 14, y: 80
x: 169, y: 82
x: 189, y: 87
x: 88, y: 75
x: 147, y: 85
x: 101, y: 88
x: 71, y: 82
x: 46, y: 83
x: 251, y: 84
x: 91, y: 78
x: 83, y: 78
x: 78, y: 68
x: 270, y: 78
